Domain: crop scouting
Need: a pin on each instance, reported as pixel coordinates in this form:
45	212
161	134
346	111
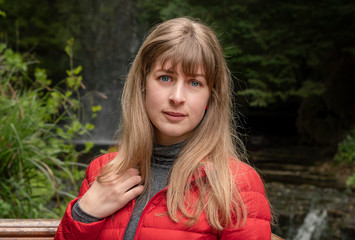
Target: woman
177	174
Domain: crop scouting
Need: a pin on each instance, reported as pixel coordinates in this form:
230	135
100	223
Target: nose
177	95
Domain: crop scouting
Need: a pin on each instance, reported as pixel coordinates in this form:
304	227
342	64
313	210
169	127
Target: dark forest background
292	56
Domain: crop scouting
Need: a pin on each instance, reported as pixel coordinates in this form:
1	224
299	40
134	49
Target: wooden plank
26	238
52	223
41	229
275	237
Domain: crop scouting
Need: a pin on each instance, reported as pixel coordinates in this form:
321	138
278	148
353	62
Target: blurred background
62	67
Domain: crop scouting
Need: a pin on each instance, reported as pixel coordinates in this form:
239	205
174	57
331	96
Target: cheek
149	106
152	102
200	108
201	113
152	98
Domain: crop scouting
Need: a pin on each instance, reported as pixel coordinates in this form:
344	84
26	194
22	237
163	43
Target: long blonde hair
204	162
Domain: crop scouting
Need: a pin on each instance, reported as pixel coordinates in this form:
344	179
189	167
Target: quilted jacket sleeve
74	230
257	225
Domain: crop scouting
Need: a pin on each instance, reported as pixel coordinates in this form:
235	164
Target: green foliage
2	14
346	148
346	153
38	122
281	49
35	25
351	181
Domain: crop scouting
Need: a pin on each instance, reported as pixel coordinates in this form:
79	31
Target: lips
174	116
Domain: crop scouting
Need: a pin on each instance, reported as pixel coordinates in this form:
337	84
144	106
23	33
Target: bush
346	153
38	123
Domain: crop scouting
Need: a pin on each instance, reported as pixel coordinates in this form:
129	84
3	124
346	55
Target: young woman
177	174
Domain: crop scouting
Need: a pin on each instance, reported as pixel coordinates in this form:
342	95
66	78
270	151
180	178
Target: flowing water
108	40
307	212
313	225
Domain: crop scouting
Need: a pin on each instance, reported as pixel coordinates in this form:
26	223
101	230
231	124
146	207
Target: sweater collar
166	155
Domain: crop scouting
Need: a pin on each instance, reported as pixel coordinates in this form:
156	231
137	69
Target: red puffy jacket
155	226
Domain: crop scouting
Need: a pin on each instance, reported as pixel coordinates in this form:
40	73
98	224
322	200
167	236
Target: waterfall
313	225
108	38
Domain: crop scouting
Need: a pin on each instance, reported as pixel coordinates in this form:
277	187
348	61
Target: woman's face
175	103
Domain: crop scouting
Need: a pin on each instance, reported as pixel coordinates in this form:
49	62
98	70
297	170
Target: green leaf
96	108
76	126
2	47
88	146
41	76
89	126
69	47
68	93
77	70
3	14
71	81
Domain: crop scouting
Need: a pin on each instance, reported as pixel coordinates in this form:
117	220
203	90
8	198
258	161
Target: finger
133	193
130	183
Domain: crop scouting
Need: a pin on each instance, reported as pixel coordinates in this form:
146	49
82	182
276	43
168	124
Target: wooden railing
38	229
28	229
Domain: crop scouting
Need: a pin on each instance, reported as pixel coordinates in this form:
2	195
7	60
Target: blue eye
195	83
165	78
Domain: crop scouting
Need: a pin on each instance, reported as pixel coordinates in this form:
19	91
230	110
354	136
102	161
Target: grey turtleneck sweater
163	158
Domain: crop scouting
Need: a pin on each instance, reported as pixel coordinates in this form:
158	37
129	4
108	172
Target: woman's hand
104	199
